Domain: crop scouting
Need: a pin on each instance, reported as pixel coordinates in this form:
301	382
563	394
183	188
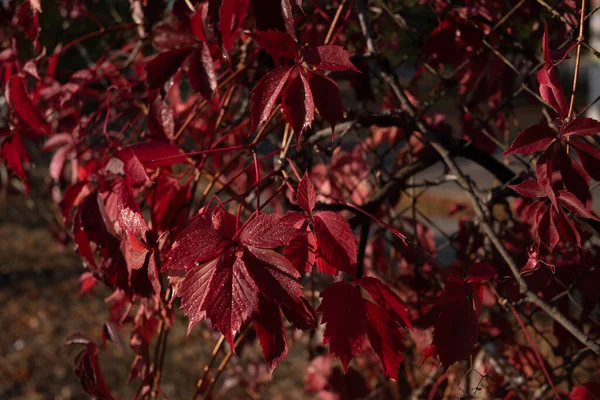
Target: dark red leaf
581	127
298	105
529	188
277	43
547	230
551	90
387	299
275	15
566	228
152	154
533	139
306	195
589	156
455	332
198	20
228	20
15	154
300	251
265	94
336	245
574	205
587	391
201	72
87	369
161	123
271	333
386	339
162	67
576	180
19	100
344	314
330	58
326	97
480	272
28	19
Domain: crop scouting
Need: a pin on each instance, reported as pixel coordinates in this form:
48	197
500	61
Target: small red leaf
386	339
162	67
271	333
201	72
529	188
300	251
480	272
547	229
551	90
573	204
533	139
306	195
336	245
24	107
161	123
277	43
265	94
330	58
326	97
387	299
298	105
344	314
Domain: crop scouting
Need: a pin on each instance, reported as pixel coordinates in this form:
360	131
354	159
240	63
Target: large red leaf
573	204
336	245
271	333
227	17
551	90
581	127
201	72
344	314
529	188
455	332
265	94
533	139
162	67
387	299
330	57
298	105
19	100
326	97
277	43
589	156
385	337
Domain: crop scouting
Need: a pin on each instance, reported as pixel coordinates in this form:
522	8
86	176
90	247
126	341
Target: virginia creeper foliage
254	166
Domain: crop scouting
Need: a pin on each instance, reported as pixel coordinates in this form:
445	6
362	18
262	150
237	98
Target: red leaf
385	338
28	19
14	152
268	231
221	290
529	188
198	20
201	72
336	246
387	299
228	20
581	127
576	180
162	67
589	156
551	90
152	154
300	251
19	100
330	57
161	123
186	252
87	368
305	195
271	333
298	105
344	314
533	139
547	229
277	43
480	272
265	94
566	228
587	391
455	332
275	15
326	97
573	204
